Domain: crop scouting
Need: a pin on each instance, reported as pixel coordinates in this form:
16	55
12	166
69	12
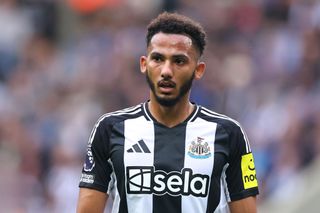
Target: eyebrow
156	54
173	56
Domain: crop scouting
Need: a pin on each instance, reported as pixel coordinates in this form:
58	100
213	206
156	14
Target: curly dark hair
174	23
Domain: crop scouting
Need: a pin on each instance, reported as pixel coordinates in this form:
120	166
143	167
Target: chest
193	146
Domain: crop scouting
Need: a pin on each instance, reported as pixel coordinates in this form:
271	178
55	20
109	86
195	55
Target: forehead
171	43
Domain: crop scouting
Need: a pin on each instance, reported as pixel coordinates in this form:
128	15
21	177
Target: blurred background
65	63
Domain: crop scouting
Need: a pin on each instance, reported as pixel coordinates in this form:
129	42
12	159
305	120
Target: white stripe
207	131
216	115
145	110
223	206
225	184
134	133
127	109
120	112
195	114
113	202
236	122
112	177
116	199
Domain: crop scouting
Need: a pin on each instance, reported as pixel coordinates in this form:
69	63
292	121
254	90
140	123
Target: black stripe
136	148
169	156
117	148
144	146
221	153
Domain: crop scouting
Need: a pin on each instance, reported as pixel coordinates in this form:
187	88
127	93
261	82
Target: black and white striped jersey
197	166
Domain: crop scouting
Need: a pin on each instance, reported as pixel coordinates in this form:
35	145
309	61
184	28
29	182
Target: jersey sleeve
241	174
96	171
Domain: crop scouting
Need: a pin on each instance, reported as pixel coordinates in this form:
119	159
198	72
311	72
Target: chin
167	102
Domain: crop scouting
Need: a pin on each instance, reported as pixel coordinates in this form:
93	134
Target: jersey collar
149	116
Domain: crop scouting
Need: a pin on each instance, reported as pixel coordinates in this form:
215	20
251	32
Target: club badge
199	149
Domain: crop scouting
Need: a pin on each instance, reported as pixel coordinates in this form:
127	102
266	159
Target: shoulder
232	127
223	121
111	118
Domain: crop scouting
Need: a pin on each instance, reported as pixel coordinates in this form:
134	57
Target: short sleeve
240	174
96	171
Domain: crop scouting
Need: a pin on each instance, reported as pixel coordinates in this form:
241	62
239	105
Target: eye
180	60
156	58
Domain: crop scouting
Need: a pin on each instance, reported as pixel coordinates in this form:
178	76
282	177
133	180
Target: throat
171	116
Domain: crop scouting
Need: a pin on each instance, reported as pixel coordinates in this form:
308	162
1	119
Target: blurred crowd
263	69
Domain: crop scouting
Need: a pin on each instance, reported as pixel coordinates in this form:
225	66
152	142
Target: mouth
166	86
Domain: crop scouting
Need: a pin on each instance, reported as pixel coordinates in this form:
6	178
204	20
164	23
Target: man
168	154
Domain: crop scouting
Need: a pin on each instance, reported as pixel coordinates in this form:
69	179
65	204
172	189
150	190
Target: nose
167	70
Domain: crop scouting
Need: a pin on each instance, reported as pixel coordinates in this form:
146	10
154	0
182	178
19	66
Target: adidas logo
139	147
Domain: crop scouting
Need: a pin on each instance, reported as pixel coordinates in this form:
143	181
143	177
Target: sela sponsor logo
147	180
199	149
85	178
249	177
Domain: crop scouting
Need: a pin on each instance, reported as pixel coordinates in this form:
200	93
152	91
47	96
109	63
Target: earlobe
200	70
143	64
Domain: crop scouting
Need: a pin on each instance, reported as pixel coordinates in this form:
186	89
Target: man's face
170	67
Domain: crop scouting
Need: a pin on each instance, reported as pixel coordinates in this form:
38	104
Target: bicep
246	205
241	174
91	201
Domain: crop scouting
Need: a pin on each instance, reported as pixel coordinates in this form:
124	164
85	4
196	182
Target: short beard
169	102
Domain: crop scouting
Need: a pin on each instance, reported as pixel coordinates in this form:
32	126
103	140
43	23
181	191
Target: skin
91	201
171	64
171	58
246	205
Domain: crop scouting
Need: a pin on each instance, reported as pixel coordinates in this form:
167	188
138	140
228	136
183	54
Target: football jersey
196	166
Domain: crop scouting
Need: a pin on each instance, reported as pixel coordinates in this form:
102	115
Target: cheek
152	72
150	75
185	77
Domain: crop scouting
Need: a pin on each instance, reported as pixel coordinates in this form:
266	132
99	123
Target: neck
173	115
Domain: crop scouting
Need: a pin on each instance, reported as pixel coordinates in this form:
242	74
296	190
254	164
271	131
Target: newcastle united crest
199	149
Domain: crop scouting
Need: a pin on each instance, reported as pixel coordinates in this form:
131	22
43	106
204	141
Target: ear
200	69
143	64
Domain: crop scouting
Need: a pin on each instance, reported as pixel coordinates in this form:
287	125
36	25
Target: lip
166	90
166	87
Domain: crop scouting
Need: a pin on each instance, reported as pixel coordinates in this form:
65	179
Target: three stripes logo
139	147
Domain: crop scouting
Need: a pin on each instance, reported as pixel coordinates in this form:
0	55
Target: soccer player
169	155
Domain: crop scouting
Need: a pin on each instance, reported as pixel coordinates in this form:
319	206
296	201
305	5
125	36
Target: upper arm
91	201
96	179
97	170
240	174
246	205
